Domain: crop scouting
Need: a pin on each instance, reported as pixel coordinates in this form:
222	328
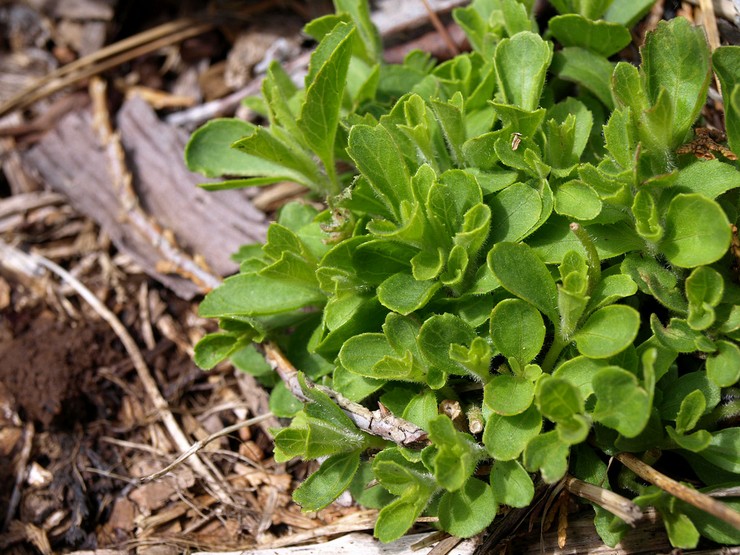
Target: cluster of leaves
510	230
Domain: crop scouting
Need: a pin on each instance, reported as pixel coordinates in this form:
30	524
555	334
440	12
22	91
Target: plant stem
594	263
558	344
684	493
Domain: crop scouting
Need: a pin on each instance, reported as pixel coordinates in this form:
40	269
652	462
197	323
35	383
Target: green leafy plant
518	232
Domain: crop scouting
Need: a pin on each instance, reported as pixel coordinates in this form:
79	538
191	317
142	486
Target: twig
142	370
612	502
20	475
441	29
200	444
378	422
684	493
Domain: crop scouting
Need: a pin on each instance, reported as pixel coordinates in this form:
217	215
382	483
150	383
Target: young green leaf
325	81
517	330
723	366
601	37
508	395
548	454
468	510
505	437
664	64
608	331
725	59
697	231
587	69
521	64
522	273
511	484
621	403
328	482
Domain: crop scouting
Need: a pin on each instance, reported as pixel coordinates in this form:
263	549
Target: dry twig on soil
378	422
684	493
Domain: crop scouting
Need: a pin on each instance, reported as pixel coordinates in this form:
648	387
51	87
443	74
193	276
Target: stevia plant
524	233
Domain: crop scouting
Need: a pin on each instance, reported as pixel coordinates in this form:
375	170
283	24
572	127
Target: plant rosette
522	233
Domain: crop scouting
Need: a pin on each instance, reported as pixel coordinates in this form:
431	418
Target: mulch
97	99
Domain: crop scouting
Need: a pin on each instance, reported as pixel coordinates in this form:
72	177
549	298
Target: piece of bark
72	161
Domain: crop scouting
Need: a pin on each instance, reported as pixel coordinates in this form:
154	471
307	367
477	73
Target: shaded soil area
49	368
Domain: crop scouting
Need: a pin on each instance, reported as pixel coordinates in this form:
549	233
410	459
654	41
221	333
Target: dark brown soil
49	366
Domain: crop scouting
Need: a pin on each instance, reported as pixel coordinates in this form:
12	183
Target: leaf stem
594	263
553	353
684	493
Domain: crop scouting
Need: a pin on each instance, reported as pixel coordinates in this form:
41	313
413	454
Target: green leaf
577	200
664	63
619	136
360	353
514	213
379	159
457	453
395	519
469	510
591	9
209	151
610	289
508	395
214	348
628	12
710	178
711	527
437	334
692	408
723	367
415	487
608	331
522	273
580	371
283	403
285	158
328	482
587	69
621	404
366	491
704	289
402	293
505	437
325	81
358	10
558	399
517	330
697	231
256	295
521	64
548	454
647	219
681	531
723	449
601	37
727	68
511	484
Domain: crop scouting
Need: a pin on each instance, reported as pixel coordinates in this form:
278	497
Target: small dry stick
378	422
20	475
612	502
200	444
441	29
684	493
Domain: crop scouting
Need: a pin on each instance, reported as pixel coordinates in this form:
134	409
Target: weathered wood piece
72	161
